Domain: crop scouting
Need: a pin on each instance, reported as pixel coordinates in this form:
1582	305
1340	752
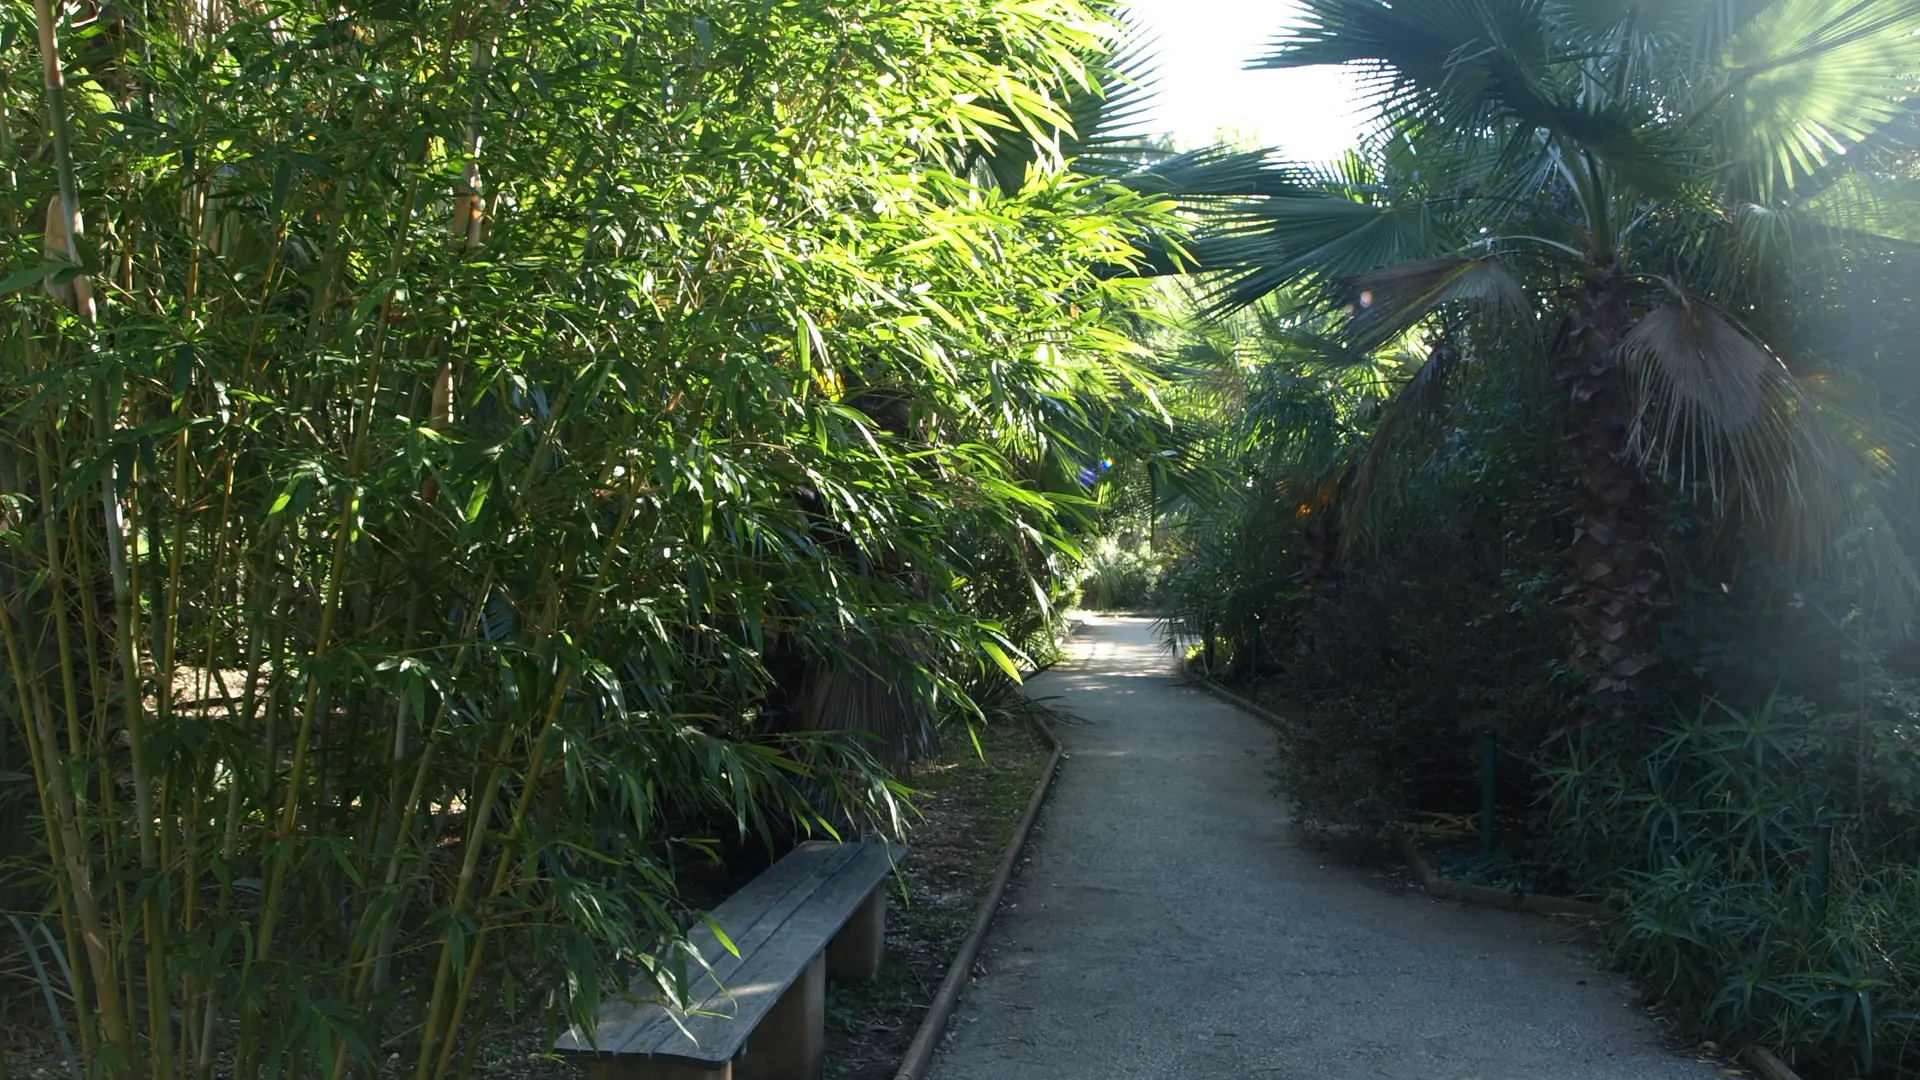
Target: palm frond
1703	387
1867	208
1091	124
1722	418
1672	22
1392	299
1810	79
1315	239
1221	172
1629	137
872	694
1106	138
1421	399
1465	60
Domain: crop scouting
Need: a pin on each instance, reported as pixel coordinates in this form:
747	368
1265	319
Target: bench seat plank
779	922
751	918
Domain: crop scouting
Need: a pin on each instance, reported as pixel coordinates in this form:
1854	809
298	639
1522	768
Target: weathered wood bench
760	1015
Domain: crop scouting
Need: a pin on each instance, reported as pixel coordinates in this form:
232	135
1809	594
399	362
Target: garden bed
971	805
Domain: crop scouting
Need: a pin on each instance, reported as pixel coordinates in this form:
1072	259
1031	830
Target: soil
972	803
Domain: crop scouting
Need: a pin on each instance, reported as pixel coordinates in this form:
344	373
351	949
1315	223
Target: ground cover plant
462	461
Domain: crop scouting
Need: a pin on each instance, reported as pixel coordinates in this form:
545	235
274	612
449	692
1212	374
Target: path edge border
1488	896
1234	699
925	1040
1766	1062
1761	1060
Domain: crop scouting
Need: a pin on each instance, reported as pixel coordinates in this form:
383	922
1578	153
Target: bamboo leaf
21	279
1001	659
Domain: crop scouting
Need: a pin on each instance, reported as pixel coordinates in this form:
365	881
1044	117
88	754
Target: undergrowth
1116	577
1754	897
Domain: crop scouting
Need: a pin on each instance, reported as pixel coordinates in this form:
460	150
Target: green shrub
1411	661
1117	577
1709	844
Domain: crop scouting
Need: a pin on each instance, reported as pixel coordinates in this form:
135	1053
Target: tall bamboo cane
71	227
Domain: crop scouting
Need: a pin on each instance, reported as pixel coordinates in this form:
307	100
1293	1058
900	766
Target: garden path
1169	924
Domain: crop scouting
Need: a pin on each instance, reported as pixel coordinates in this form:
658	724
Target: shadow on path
1169	925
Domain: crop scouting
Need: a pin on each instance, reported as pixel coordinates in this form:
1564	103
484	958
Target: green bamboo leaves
490	429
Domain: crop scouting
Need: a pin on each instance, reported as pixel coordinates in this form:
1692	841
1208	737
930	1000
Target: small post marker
1822	866
1486	793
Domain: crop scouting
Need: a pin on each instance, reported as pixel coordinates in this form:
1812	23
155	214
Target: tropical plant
469	456
1279	412
1649	182
1747	901
1116	577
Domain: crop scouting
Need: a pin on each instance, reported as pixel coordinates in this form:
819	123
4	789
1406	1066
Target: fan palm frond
1711	399
1392	299
1810	79
1466	61
1213	172
1420	399
1723	418
1106	138
865	692
1317	239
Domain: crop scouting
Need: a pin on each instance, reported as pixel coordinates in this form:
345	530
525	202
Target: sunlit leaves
573	534
1812	78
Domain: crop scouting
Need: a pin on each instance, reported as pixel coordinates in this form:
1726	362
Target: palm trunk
1319	573
1618	589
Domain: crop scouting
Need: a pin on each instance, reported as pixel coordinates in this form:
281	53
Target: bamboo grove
451	449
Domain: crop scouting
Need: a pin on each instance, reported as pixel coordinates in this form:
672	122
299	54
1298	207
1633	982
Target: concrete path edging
1488	896
1766	1063
1236	700
934	1024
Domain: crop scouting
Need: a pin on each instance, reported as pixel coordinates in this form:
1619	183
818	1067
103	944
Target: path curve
1169	925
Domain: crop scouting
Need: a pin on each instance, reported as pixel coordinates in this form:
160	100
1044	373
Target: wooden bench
760	1015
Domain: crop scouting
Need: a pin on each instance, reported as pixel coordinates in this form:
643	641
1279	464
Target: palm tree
1646	176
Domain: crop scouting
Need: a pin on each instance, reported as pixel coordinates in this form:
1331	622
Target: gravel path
1170	925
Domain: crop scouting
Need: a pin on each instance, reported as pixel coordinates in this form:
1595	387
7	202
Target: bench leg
639	1068
854	954
791	1041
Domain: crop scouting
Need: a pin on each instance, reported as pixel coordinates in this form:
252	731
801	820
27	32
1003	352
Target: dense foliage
1758	897
1578	408
459	457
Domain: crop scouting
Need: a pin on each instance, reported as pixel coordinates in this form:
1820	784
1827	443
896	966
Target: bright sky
1201	48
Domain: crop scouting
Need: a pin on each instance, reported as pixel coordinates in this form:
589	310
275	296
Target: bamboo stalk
53	770
72	225
153	905
323	639
72	228
416	793
531	781
63	892
57	583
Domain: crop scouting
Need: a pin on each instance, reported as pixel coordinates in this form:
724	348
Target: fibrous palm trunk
1319	574
1617	590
